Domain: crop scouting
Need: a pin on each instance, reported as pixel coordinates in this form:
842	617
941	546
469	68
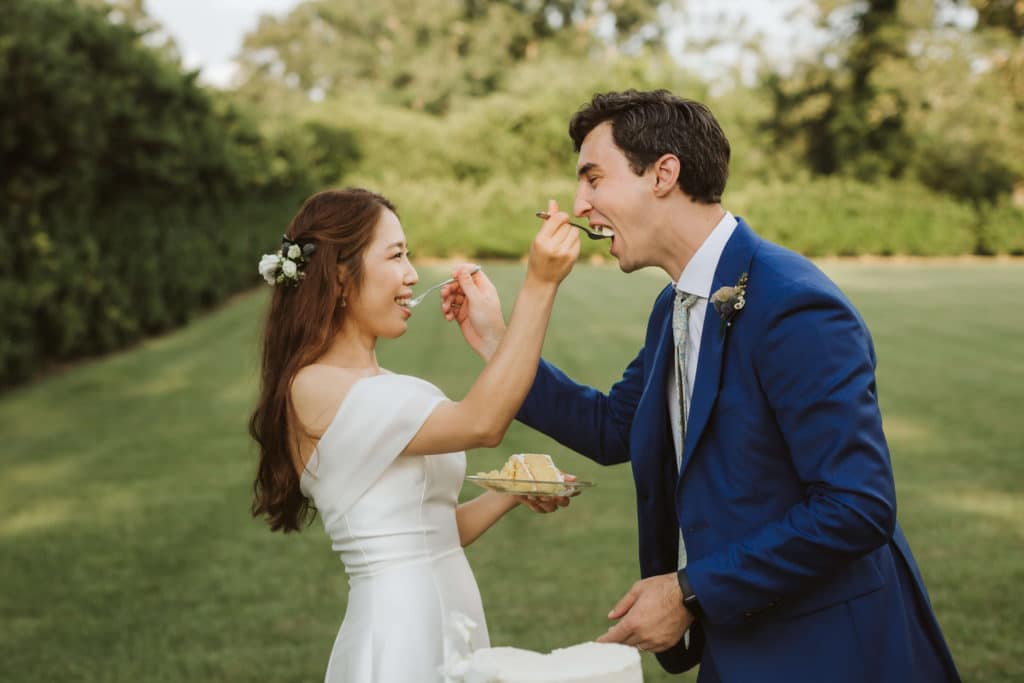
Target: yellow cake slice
526	468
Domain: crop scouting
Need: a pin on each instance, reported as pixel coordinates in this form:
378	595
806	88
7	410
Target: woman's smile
403	304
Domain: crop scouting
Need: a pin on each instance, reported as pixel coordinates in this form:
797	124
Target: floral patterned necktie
680	333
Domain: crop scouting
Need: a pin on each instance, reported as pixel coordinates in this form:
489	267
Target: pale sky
209	32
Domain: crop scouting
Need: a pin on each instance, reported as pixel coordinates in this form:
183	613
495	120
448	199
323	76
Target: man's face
609	194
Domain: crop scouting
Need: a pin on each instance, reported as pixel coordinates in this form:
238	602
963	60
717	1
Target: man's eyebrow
585	169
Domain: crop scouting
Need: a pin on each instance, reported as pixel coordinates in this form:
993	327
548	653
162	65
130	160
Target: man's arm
589	422
816	366
581	417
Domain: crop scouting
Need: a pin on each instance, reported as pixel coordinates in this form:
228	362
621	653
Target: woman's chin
394	332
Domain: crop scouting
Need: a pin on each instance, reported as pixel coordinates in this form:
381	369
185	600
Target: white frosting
521	459
587	662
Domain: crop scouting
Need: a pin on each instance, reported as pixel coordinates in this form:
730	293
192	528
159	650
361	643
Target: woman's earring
343	301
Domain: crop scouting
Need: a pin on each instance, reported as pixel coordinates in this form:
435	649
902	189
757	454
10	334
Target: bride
379	456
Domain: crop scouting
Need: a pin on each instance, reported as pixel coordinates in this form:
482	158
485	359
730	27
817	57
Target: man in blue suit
769	547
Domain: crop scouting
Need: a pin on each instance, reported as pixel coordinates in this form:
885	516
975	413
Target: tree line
132	197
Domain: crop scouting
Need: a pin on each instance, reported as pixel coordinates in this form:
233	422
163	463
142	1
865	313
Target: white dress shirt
696	278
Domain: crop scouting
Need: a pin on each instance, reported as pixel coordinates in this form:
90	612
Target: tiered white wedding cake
584	663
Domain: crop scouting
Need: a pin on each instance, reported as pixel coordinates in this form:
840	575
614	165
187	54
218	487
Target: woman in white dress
380	456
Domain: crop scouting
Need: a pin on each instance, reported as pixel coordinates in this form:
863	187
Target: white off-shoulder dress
392	520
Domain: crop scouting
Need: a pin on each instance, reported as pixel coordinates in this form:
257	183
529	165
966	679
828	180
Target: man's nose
581	205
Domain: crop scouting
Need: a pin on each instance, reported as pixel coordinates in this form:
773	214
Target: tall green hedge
130	197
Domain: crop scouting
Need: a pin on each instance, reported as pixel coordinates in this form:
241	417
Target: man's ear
666	174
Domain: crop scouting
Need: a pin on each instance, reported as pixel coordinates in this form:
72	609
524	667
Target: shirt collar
699	273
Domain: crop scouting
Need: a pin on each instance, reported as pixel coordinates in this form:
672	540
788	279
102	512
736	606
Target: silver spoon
592	233
413	303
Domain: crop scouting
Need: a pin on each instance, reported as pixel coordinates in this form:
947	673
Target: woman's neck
352	349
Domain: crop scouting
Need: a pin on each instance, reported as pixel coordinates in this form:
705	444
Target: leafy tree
421	54
972	139
1001	22
907	93
133	14
839	113
1006	14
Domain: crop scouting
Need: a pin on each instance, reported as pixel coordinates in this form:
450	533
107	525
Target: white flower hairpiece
287	266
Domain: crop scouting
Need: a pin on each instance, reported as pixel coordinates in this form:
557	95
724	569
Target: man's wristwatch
690	601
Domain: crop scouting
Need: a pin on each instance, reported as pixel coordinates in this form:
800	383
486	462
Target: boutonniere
729	301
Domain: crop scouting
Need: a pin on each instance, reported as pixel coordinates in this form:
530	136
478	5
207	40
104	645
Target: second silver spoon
413	303
592	233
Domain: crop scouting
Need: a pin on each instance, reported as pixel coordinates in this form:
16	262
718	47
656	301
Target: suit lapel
658	376
735	260
653	408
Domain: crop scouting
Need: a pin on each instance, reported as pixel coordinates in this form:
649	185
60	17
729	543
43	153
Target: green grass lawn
127	552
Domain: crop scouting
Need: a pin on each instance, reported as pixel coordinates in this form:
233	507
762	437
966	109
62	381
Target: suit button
748	615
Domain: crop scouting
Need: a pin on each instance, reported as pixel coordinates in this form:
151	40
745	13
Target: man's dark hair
647	125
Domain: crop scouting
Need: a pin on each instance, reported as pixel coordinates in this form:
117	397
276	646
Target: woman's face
377	306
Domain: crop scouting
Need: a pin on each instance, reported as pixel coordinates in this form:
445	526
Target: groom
765	495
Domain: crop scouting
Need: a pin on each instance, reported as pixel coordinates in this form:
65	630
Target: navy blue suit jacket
786	496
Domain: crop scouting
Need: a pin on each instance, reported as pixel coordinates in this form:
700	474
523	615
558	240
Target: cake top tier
591	662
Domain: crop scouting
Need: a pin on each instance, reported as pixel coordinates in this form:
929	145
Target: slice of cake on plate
526	468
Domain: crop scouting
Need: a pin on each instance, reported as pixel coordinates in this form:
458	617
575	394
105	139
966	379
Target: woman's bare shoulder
318	391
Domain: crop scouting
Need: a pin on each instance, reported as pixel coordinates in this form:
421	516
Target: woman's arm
483	416
478	515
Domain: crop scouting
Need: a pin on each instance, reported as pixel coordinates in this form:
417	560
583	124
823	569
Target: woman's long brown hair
300	325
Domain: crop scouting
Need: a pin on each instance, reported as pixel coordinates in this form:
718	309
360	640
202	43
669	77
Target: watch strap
690	600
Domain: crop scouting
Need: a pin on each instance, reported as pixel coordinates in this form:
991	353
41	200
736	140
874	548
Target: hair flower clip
729	301
288	265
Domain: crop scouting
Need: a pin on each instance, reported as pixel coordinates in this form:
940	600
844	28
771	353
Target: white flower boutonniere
729	301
